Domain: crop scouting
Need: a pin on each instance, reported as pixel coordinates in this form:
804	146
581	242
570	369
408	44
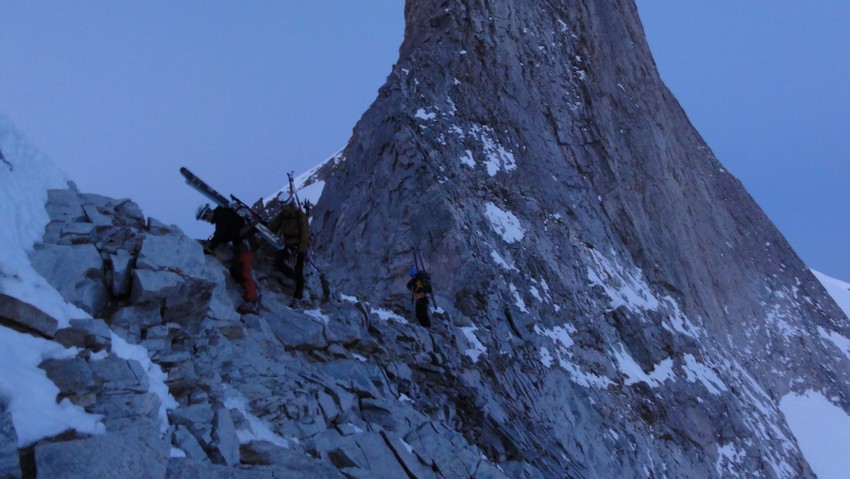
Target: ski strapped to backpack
292	193
251	217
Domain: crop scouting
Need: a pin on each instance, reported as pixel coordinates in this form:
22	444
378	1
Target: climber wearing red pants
231	228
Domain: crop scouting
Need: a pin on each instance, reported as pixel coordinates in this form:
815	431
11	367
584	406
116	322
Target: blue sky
121	94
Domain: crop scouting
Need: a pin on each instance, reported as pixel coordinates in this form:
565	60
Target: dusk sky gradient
121	94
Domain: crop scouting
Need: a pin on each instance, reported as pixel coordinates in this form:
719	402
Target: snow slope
25	177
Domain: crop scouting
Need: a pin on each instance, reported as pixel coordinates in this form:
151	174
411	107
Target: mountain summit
636	305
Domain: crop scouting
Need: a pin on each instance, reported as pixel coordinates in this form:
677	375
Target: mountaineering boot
248	307
296	304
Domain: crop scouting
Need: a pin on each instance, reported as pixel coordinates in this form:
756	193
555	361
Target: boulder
188	443
299	331
185	300
365	380
130	214
172	252
115	375
347	326
95	215
142	316
437	446
381	461
10	463
74	379
225	443
411	464
87	333
77	233
132	452
26	316
65	205
197	418
152	286
122	409
76	271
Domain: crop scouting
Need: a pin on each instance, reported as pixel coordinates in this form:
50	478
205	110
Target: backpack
425	278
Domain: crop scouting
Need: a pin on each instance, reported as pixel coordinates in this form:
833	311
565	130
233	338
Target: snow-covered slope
26	175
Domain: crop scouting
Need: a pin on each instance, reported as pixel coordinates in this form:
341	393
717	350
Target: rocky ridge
338	390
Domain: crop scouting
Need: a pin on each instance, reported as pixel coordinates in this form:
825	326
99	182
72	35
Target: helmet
413	271
202	211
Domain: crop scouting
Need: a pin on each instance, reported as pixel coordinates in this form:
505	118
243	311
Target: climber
420	285
292	225
231	228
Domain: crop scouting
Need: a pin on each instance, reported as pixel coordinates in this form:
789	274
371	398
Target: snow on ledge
31	396
504	222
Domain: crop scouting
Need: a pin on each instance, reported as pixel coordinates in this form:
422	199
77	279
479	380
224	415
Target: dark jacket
229	227
292	224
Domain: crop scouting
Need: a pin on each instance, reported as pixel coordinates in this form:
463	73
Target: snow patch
424	115
477	348
387	315
258	430
497	258
698	372
31	396
520	304
467	159
307	185
546	357
727	456
349	299
634	373
156	376
504	222
625	287
840	342
497	158
560	336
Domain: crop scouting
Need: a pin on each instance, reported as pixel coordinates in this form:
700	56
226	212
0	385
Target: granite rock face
532	153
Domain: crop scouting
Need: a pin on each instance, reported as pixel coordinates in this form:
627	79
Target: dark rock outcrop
10	462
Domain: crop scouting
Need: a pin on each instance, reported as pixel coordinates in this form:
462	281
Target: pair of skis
251	217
